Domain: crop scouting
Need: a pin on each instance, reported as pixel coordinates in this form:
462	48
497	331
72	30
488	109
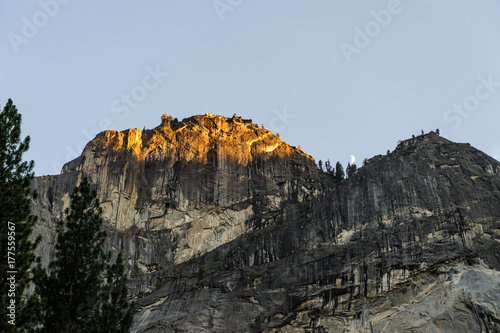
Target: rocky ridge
228	229
181	189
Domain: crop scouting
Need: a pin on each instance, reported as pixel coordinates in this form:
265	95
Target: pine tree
16	226
320	165
74	295
350	170
328	166
116	313
165	119
339	171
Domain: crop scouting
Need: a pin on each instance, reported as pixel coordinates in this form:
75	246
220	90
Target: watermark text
31	27
280	120
121	106
363	37
460	111
223	6
11	273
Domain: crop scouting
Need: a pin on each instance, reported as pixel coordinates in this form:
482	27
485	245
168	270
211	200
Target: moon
353	159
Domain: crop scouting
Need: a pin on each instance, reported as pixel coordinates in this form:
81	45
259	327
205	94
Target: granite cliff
228	229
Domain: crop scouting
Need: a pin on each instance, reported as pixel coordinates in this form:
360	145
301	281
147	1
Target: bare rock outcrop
228	229
181	189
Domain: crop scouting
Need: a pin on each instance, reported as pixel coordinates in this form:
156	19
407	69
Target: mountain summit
179	175
226	228
203	139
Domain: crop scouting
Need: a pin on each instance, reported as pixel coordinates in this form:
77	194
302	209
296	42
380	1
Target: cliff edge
228	229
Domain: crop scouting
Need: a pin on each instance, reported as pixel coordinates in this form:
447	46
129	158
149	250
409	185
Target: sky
339	78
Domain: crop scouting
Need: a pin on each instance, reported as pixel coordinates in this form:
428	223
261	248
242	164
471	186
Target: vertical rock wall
228	229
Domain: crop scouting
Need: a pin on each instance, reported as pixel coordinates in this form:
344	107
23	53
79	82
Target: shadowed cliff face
200	183
227	229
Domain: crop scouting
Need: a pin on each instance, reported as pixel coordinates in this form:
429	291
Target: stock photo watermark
11	272
460	111
139	93
372	29
30	27
121	106
223	6
280	120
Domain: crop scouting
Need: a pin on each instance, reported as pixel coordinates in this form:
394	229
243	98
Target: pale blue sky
301	68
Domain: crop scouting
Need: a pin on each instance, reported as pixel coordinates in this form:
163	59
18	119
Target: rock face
180	190
228	229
